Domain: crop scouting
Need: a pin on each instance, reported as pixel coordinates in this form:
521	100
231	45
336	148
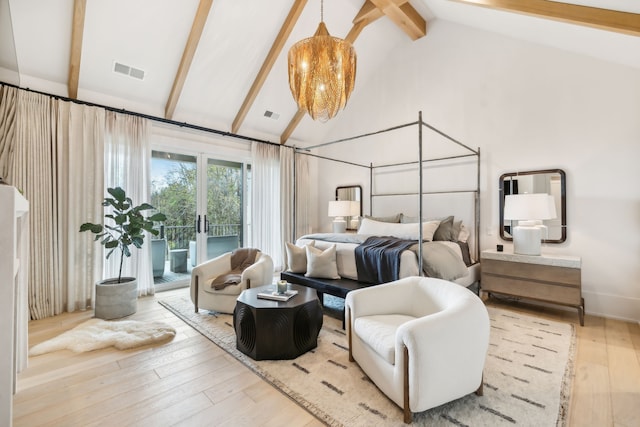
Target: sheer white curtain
303	197
127	165
265	201
80	177
287	197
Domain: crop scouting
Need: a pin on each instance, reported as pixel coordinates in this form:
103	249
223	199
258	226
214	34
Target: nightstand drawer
539	273
531	289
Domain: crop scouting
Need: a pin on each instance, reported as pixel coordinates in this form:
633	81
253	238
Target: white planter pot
115	300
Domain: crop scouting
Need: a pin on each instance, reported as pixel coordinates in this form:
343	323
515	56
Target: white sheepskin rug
96	333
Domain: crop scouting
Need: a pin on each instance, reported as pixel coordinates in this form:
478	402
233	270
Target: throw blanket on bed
378	259
240	260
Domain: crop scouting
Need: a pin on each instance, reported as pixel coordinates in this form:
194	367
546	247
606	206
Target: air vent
271	115
127	70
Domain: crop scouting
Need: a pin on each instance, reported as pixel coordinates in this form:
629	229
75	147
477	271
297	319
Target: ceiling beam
604	19
273	54
77	31
292	126
357	29
189	52
403	15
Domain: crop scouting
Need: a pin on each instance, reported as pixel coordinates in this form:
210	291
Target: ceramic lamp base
526	240
339	226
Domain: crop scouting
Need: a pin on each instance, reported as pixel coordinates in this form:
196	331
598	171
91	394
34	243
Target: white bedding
345	255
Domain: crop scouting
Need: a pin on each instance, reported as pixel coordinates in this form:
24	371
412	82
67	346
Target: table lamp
338	209
529	210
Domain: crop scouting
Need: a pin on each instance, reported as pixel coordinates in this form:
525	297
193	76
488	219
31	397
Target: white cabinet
14	308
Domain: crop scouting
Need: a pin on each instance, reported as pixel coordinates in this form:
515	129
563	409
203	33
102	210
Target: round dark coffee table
267	329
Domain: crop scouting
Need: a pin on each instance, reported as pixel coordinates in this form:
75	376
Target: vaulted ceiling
223	63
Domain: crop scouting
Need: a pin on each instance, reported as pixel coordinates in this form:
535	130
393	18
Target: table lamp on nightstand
529	210
340	209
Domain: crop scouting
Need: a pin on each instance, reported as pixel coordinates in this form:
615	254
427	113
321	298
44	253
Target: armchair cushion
379	333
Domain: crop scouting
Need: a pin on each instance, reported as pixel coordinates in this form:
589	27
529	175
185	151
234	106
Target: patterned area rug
527	377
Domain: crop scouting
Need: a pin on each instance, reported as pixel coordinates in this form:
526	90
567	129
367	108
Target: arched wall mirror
550	181
353	193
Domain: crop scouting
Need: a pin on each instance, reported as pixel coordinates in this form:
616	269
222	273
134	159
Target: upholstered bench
336	287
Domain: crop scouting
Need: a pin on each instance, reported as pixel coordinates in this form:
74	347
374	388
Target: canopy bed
431	198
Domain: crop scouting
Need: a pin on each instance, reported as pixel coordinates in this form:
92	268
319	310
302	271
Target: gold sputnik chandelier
322	72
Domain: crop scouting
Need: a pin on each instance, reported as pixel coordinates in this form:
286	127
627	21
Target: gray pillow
442	262
322	264
445	230
405	219
392	218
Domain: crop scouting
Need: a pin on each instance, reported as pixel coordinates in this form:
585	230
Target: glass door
205	203
221	227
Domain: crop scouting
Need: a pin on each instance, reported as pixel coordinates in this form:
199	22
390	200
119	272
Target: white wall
527	107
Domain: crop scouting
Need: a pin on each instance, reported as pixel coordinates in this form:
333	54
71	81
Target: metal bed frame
420	162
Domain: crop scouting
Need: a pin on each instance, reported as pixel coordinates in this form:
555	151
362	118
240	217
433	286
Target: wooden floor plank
191	381
168	393
624	374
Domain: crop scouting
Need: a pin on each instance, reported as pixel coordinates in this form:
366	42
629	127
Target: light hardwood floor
191	382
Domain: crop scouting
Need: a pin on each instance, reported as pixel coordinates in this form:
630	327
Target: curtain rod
146	116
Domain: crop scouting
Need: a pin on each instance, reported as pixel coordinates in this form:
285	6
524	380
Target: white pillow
429	228
297	257
464	234
322	264
410	231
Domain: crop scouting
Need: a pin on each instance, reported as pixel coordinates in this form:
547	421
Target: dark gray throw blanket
378	259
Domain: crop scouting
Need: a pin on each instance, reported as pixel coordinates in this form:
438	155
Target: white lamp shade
342	208
537	206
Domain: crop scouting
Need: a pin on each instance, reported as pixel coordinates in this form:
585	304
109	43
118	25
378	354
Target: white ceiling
151	35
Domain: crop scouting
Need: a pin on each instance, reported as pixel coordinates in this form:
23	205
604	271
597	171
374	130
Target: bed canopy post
370	189
295	198
420	191
477	206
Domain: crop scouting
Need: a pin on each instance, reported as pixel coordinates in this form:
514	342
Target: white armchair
205	296
422	341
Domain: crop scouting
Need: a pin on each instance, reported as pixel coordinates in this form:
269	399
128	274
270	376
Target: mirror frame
563	202
359	187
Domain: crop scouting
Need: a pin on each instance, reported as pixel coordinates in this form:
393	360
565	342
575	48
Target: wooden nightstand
549	278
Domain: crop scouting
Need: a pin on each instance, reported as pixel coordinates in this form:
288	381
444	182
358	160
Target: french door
206	203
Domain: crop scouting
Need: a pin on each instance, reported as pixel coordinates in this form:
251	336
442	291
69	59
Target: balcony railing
178	236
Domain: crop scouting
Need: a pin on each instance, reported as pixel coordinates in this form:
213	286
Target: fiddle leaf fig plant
129	225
